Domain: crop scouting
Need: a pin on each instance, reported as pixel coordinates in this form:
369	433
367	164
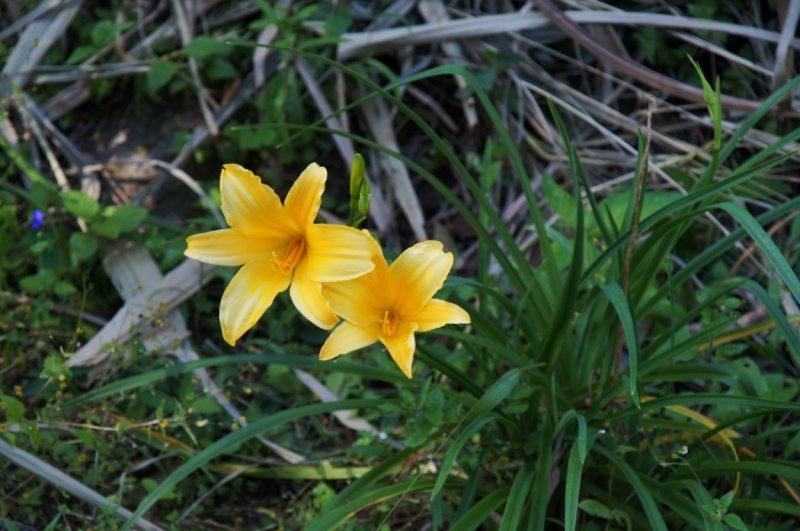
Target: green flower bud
364	196
359	192
356	175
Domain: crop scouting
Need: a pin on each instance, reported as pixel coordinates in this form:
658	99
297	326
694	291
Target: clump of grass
610	377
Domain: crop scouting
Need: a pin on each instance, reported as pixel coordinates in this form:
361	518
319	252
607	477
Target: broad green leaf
127	217
104	32
32	284
735	522
160	74
82	247
41	281
595	508
108	227
338	22
150	485
726	500
306	12
31	429
14	409
219	68
54	366
62	287
40	246
80	54
205	405
80	204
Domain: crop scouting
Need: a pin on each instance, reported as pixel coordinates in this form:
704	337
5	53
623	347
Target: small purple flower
38	219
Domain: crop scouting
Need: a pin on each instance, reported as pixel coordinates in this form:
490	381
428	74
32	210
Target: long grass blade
233	440
572	489
452	454
481	511
516	498
769	248
644	495
301	362
541	486
620	303
380	470
333	519
715	251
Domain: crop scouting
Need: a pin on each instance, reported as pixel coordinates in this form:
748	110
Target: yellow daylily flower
391	303
278	246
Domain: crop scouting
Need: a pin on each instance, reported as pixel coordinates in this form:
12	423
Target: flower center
286	262
389	323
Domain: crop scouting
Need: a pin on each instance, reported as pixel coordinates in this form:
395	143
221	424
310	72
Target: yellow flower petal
252	207
346	338
401	346
416	276
248	296
438	313
307	297
360	300
338	253
305	197
231	247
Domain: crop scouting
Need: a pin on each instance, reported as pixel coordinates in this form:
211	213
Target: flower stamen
286	263
389	323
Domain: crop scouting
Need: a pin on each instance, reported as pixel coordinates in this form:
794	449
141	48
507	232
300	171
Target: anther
286	263
389	323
